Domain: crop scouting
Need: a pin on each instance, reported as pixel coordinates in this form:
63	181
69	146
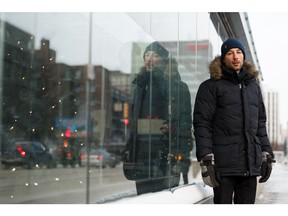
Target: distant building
273	126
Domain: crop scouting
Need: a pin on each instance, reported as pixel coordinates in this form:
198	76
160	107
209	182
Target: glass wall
69	104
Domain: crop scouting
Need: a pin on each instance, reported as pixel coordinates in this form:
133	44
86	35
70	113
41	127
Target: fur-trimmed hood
215	68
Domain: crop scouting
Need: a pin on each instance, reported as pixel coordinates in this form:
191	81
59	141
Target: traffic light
125	110
126	121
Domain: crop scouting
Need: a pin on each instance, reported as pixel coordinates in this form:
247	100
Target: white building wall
271	100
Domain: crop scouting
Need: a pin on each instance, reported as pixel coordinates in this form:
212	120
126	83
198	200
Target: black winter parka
230	120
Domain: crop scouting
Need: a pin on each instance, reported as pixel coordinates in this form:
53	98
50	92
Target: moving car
98	157
27	154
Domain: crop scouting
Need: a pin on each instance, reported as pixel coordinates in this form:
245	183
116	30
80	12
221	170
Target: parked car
99	157
27	154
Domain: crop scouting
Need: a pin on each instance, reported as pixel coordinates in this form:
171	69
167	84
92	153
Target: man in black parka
161	101
229	122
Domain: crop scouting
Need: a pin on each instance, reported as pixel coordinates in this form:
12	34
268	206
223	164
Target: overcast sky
270	35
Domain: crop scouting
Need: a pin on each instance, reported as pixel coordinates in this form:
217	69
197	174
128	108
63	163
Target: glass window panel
67	83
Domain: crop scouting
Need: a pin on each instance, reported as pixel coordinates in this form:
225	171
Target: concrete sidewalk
195	193
275	190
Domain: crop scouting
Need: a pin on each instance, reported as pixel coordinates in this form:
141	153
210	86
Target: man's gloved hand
209	172
266	167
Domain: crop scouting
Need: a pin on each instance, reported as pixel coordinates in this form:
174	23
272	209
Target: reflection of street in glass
51	186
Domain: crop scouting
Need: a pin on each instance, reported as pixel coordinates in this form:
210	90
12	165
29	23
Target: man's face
152	59
234	59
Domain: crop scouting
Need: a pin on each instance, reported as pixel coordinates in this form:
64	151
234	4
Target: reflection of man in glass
161	123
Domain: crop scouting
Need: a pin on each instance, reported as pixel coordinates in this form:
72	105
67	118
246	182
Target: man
161	123
229	122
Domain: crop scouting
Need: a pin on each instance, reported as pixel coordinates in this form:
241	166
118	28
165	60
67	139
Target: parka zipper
246	127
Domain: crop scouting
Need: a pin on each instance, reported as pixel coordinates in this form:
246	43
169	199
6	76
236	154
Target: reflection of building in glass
193	58
18	96
107	89
121	94
50	97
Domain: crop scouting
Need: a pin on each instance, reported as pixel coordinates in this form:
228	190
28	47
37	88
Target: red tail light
82	156
100	157
21	151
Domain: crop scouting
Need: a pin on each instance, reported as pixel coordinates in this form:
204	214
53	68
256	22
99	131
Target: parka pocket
257	151
226	151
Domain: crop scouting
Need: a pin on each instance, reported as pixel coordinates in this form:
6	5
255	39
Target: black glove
266	167
209	172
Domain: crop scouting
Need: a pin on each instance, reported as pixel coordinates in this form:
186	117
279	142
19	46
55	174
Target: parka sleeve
184	127
133	120
204	110
262	128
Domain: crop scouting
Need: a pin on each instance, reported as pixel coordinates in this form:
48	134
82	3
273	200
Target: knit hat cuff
229	44
158	48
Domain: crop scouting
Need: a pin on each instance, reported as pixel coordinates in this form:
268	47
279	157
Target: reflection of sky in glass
67	33
112	36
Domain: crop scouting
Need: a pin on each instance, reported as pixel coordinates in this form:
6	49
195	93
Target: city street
61	185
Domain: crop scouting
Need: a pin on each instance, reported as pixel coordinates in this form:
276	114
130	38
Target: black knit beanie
229	44
159	49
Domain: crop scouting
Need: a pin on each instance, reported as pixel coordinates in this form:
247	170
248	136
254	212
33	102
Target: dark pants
186	162
153	155
237	189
